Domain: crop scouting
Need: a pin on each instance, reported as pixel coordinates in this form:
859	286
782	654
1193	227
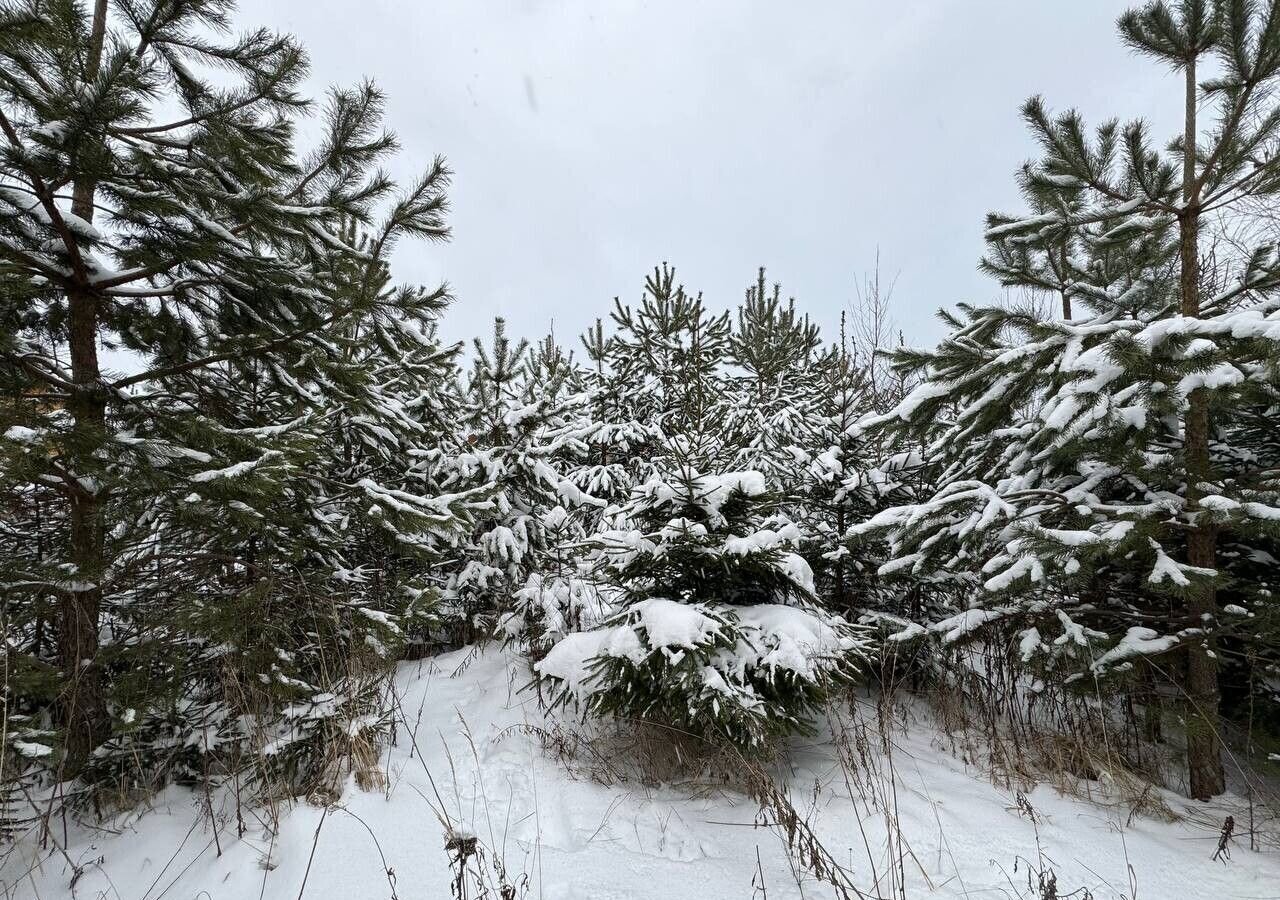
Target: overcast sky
593	140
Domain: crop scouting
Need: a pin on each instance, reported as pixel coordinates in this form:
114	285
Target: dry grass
645	753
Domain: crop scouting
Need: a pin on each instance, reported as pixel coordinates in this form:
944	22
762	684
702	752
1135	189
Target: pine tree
622	439
842	476
527	430
1105	443
763	411
770	340
206	246
670	349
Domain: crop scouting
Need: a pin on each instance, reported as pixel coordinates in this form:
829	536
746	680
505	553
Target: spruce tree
717	633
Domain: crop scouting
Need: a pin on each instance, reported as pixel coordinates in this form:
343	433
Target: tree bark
83	699
84	710
1066	298
1204	748
842	602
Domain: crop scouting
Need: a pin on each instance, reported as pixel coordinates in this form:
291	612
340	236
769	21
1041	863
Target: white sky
593	140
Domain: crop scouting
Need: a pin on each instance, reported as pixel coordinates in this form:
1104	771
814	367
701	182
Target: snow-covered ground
575	838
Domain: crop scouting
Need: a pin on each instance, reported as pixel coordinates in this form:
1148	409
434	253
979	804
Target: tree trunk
1204	749
1066	298
83	699
842	602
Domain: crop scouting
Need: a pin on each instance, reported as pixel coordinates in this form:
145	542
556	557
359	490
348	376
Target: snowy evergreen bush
526	431
717	634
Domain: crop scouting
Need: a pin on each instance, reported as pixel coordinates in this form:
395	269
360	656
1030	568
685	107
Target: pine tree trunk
842	602
1204	750
1066	298
83	701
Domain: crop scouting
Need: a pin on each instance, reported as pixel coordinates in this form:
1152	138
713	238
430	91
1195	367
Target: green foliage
1104	473
719	688
236	528
717	633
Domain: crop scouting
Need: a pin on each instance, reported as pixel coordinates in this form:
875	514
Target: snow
1218	503
1028	643
922	393
32	750
799	571
1023	566
764	539
1262	511
20	434
1220	376
1168	569
571	657
1027	224
468	762
792	638
750	483
909	633
962	624
235	470
1138	641
670	624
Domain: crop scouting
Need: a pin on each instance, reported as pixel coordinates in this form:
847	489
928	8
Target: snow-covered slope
574	838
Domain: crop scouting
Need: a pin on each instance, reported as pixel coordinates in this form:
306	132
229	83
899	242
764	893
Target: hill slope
561	837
